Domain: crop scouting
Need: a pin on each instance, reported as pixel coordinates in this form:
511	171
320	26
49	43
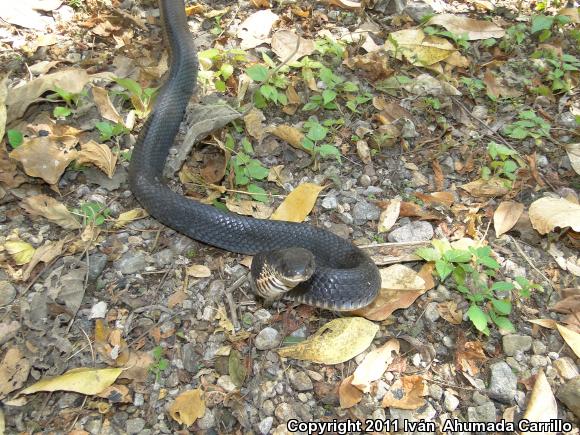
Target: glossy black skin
345	278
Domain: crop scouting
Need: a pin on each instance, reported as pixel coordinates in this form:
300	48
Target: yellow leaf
51	209
298	204
337	341
290	134
389	216
572	338
106	108
198	271
418	48
82	380
542	405
188	407
129	216
21	251
374	365
99	155
506	216
348	394
46	253
548	213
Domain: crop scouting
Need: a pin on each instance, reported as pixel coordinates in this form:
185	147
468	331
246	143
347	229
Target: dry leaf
9	175
298	204
406	393
389	216
445	198
260	3
572	338
3	94
506	216
14	371
176	298
42	157
290	134
284	44
473	29
51	209
348	395
129	216
486	188
20	251
82	380
374	364
363	151
19	98
253	121
255	29
337	341
99	155
495	89
46	253
188	407
542	405
469	357
548	213
106	108
346	4
198	271
449	311
418	48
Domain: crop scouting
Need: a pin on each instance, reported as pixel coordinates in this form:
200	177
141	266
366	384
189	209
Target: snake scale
342	278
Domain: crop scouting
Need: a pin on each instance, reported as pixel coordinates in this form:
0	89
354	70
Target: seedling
542	25
503	164
529	125
272	82
93	213
141	99
70	99
218	65
459	40
246	169
334	85
315	133
109	130
474	86
514	37
159	364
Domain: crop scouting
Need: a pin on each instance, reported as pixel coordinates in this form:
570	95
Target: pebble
226	383
207	421
503	382
138	399
538	347
440	293
131	263
285	411
97	263
566	368
413	232
569	394
479	398
435	391
364	211
265	425
7	293
539	361
431	312
450	401
163	257
93	426
267	338
514	343
135	425
329	202
268	407
482	413
364	180
300	381
567	120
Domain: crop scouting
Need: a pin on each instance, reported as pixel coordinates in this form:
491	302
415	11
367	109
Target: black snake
339	276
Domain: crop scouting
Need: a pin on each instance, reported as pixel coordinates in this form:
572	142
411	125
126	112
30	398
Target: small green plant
141	99
432	102
514	37
246	169
542	25
560	67
109	130
334	85
316	133
459	40
331	48
503	164
353	103
15	138
272	83
218	65
473	273
159	364
70	99
528	125
93	213
475	87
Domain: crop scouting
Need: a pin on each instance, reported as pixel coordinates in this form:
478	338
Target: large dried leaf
572	338
253	121
46	253
573	151
42	157
548	213
99	155
188	407
542	405
25	13
20	251
284	44
469	356
406	393
348	394
129	216
84	380
255	29
506	216
337	341
14	370
290	134
418	48
486	188
19	98
298	204
9	175
51	209
473	29
389	216
105	106
374	365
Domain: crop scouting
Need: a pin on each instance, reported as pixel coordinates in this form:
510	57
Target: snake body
344	277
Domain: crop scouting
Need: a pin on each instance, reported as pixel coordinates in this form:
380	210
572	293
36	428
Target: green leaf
489	262
259	193
247	146
61	112
478	318
236	368
541	22
212	54
327	149
457	256
518	133
311	105
501	306
220	86
256	171
269	92
258	73
428	254
349	87
15	138
241	179
328	95
131	85
443	268
502	286
317	132
226	71
308	144
504	324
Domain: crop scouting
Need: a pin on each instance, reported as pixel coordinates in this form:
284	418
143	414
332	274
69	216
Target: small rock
565	367
93	426
431	312
417	231
479	112
538	347
364	180
450	401
482	413
503	382
479	398
207	421
569	394
97	263
7	293
539	361
226	383
135	425
513	344
435	391
8	331
300	381
138	399
417	10
265	425
267	338
163	257
329	202
131	263
364	211
567	120
440	293
285	411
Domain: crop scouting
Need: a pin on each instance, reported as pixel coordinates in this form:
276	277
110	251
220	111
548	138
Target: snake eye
294	264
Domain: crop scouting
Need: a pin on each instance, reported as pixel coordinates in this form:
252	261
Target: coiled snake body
342	276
